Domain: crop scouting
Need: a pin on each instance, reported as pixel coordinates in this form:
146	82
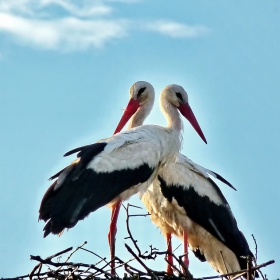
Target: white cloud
124	1
177	30
68	25
83	9
63	34
18	6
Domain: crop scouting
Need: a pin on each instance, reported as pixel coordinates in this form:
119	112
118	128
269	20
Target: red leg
186	258
169	269
112	233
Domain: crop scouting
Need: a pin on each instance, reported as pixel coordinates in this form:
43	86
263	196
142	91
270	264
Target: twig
177	248
130	234
132	205
263	277
71	274
249	268
39	266
122	263
101	259
68	258
108	264
34	270
256	248
39	271
80	271
38	258
60	253
241	271
172	265
79	247
135	256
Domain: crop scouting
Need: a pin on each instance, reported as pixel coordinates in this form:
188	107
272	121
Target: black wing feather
216	219
83	190
199	255
222	179
76	150
57	174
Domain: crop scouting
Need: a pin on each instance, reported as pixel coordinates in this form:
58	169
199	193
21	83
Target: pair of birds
179	194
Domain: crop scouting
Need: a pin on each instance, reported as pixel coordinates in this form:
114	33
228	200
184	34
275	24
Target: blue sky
65	72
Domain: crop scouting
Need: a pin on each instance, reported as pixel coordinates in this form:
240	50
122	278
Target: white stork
185	201
117	167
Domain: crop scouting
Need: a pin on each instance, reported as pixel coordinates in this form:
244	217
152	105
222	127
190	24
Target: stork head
142	96
178	97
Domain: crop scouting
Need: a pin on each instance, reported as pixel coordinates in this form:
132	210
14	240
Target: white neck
141	114
171	114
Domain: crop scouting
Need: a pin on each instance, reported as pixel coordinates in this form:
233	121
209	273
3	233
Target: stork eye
179	95
141	90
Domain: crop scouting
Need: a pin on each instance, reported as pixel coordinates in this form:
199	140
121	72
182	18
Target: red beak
187	112
129	111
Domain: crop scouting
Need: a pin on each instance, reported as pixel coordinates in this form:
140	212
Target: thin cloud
83	9
125	1
68	25
65	34
177	30
17	6
80	8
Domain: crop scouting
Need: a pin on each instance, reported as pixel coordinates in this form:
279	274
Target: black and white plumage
116	167
186	202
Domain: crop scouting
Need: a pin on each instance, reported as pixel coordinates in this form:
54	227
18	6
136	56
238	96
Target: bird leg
169	269
112	233
186	258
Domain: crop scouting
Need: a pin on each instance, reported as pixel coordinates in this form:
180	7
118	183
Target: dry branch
49	269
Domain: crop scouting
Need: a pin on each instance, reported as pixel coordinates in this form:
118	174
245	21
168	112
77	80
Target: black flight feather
216	219
222	179
83	190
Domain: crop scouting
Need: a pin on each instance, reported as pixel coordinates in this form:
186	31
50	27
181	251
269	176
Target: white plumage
173	218
198	217
115	168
